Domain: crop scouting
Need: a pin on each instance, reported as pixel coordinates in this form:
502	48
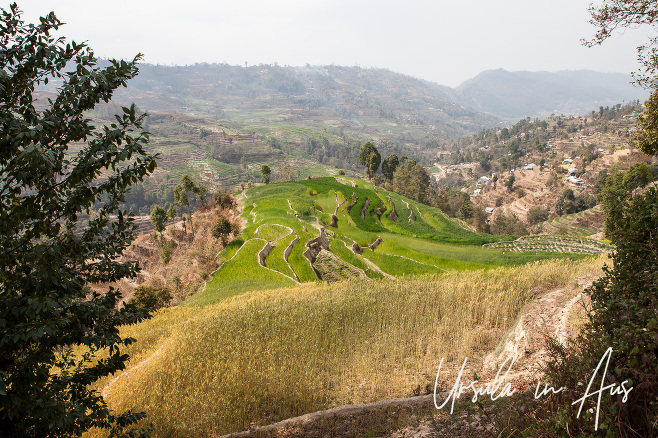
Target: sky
446	42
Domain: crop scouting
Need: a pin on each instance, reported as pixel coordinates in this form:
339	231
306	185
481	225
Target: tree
621	185
48	258
224	200
152	297
624	301
285	172
537	215
369	156
508	224
158	218
265	172
222	229
182	198
509	183
621	14
389	165
201	192
413	182
646	137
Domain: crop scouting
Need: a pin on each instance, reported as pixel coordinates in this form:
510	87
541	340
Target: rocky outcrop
314	246
288	250
264	253
394	215
375	244
286	254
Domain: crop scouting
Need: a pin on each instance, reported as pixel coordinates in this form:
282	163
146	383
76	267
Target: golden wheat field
265	356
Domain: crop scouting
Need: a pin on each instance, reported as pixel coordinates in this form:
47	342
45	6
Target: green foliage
647	126
202	192
537	215
451	202
413	182
265	172
625	300
167	248
619	186
222	228
182	195
225	200
48	258
151	297
369	156
158	218
508	225
623	317
509	182
569	203
389	166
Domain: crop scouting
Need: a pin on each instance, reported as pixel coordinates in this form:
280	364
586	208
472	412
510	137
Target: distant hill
368	103
350	102
514	95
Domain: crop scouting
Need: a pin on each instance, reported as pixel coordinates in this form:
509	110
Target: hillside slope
264	356
515	95
341	228
373	103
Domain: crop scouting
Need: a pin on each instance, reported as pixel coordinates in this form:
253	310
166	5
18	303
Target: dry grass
193	258
265	356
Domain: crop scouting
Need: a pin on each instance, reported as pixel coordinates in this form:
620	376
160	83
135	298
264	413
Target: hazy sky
445	41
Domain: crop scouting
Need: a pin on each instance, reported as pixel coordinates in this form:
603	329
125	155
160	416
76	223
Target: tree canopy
48	256
612	15
389	165
182	195
158	218
624	301
646	137
265	173
369	156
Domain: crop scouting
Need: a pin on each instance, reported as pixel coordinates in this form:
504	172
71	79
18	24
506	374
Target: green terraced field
296	211
559	244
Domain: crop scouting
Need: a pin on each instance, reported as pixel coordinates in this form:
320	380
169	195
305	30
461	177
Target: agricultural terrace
369	233
264	356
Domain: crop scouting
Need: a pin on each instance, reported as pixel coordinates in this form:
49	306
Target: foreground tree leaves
56	336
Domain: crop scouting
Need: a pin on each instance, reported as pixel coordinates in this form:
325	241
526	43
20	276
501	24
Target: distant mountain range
359	103
373	104
514	95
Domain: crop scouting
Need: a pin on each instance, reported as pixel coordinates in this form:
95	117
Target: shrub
166	252
151	297
508	224
536	215
225	200
623	317
222	229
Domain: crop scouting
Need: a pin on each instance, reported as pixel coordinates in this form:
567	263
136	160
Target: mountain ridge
513	95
